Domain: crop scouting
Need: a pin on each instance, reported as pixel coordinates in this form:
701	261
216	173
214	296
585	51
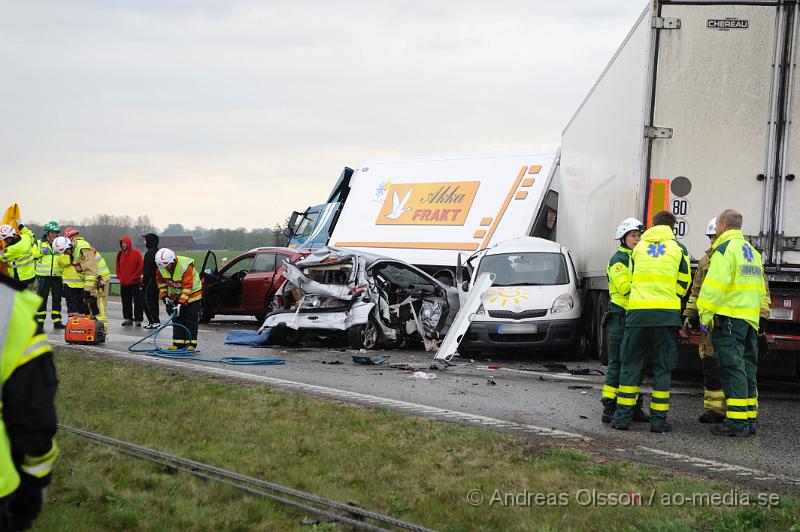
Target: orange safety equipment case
86	330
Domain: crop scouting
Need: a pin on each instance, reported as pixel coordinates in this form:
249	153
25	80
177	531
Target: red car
245	285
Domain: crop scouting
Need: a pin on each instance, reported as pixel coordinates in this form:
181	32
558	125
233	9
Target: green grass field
414	469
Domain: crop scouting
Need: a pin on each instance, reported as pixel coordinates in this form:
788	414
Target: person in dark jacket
129	273
28	422
149	287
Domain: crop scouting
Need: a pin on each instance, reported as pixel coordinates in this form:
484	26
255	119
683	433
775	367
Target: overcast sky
234	113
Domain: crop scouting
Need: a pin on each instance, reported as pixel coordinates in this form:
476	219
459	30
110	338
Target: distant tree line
105	230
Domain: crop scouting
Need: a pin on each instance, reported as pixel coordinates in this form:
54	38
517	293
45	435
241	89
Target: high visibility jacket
19	345
47	264
183	285
19	256
619	279
89	264
69	275
661	273
697	282
734	285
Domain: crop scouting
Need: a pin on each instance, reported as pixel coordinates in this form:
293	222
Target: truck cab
312	228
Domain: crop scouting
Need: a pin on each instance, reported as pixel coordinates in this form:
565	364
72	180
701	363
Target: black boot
609	405
709	416
725	430
661	428
639	415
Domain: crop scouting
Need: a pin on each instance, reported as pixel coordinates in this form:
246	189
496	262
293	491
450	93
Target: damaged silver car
375	301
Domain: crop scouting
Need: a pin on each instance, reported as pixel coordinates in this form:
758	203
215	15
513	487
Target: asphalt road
516	394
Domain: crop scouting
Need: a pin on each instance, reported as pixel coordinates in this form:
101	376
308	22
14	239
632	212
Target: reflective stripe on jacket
82	258
661	273
183	286
20	256
734	285
619	277
47	264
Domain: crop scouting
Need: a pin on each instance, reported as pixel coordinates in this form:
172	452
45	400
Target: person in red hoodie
129	273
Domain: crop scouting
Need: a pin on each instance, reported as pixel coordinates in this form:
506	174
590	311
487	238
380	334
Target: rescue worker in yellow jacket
730	304
48	276
713	395
629	232
73	281
18	253
661	278
28	416
93	270
180	288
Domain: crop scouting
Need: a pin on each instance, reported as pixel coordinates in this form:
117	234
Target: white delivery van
534	300
695	113
426	211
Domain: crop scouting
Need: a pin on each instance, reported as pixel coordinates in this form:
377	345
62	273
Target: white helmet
711	229
626	226
165	257
61	244
6	231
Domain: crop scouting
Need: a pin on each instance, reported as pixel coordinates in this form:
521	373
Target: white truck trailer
426	211
694	114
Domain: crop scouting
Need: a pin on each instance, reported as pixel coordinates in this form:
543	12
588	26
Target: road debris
364	360
423	375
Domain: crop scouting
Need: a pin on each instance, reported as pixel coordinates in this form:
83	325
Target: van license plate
517	328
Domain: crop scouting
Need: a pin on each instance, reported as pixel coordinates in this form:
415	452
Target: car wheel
365	336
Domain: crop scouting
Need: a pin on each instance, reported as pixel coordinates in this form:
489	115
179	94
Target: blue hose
157	351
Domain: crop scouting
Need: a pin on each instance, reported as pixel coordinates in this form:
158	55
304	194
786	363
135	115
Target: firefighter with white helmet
18	253
73	281
180	288
619	273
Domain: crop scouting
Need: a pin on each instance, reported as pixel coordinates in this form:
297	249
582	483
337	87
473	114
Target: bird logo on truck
427	203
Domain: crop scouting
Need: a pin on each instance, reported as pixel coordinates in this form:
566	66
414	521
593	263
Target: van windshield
520	269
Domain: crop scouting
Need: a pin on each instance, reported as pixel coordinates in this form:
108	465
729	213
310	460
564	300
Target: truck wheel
365	336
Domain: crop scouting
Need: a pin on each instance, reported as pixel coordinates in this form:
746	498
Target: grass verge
414	469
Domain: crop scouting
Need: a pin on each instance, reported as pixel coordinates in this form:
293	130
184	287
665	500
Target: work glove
704	329
687	325
177	309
